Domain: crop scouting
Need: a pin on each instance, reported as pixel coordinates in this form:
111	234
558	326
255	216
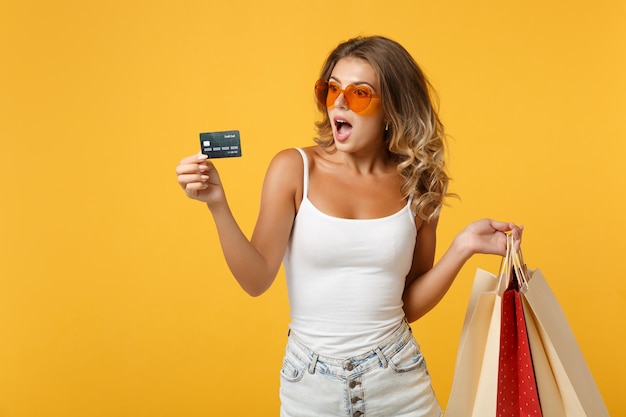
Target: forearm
483	236
423	294
245	262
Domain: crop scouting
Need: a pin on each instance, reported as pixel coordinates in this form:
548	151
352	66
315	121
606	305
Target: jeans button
349	367
357	414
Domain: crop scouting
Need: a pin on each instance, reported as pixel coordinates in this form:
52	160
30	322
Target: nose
340	101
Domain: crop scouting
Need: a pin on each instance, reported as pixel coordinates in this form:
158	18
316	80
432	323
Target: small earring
387	126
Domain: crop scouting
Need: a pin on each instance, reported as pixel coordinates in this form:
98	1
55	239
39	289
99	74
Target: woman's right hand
200	180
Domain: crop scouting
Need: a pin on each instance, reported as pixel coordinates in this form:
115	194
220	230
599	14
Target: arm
254	263
427	284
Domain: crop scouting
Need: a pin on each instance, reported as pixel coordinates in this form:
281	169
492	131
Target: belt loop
382	358
313	363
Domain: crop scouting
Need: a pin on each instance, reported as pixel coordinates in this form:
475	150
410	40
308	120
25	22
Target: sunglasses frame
355	103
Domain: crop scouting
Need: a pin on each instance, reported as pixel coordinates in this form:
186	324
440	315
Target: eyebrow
355	83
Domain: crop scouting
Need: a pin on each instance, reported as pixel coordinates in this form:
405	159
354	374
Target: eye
362	92
333	88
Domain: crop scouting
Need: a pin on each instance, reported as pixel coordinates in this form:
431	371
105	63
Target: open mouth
343	127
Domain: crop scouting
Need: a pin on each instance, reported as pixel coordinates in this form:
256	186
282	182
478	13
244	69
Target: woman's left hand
489	237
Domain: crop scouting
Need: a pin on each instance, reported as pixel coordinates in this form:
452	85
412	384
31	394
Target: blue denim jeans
389	381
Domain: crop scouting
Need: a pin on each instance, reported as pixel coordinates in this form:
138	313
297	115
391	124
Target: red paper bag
517	386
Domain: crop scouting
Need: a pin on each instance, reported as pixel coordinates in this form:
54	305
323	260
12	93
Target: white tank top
345	277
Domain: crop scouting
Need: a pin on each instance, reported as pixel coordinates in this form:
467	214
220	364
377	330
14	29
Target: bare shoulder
287	162
285	173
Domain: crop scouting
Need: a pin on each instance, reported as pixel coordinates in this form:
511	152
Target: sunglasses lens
321	91
333	93
357	98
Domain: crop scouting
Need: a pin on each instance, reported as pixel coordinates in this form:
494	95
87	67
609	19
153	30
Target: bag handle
512	264
520	266
505	269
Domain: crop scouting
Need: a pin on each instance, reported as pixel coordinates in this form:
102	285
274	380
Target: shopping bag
517	386
473	391
553	337
549	392
565	385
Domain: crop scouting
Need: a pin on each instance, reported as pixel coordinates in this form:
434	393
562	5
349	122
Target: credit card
225	144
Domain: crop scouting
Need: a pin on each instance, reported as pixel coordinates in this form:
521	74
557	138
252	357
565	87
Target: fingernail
204	177
202	157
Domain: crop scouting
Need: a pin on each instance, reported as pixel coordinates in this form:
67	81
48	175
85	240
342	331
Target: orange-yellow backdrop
114	297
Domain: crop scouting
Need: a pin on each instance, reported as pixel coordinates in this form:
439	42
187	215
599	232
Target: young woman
354	220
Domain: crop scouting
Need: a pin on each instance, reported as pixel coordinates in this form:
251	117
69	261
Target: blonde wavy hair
415	138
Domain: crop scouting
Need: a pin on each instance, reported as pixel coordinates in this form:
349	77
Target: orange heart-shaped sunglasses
357	97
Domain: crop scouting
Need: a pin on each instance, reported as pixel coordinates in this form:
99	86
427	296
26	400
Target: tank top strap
305	191
409	203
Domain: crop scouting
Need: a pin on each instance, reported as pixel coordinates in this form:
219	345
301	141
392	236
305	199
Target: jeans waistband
383	351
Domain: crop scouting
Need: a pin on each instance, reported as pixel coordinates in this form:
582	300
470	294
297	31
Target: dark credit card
225	144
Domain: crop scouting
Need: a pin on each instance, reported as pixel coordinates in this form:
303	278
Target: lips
342	129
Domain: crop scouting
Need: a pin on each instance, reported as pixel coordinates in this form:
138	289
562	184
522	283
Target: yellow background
114	297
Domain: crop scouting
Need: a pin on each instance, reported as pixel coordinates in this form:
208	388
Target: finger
516	231
195	186
193	159
193	168
500	226
186	179
187	169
